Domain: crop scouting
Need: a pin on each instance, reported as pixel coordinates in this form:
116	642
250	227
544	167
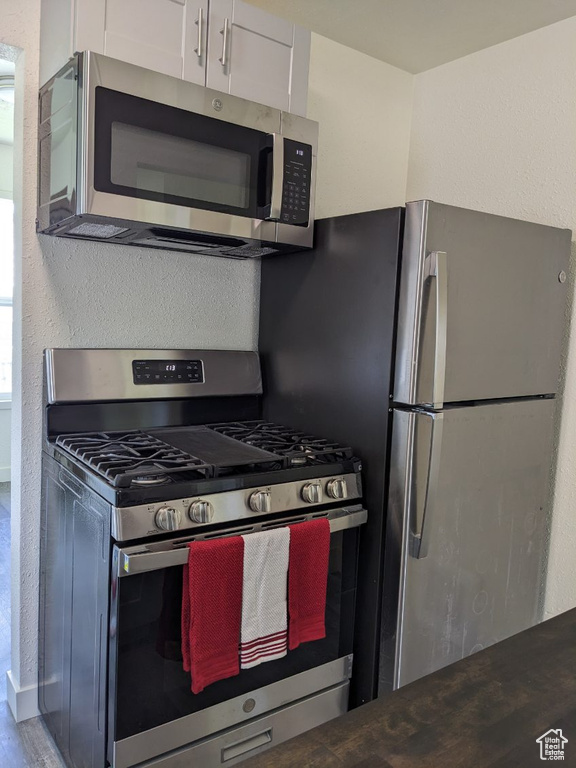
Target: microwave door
165	153
149	151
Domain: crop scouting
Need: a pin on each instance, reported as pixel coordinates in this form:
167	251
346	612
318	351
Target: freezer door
469	490
481	307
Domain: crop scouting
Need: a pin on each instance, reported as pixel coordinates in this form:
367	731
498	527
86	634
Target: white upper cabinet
227	45
161	35
257	56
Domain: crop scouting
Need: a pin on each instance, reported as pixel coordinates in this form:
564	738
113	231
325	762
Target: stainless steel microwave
127	155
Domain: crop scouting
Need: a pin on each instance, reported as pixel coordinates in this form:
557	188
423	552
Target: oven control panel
167	372
240	506
296	188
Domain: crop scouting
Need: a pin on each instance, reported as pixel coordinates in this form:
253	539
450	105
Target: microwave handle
277	177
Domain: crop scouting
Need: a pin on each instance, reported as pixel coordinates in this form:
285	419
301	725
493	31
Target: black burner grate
133	458
296	448
188	454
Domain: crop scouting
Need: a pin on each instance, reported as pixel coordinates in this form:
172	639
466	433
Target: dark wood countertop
484	711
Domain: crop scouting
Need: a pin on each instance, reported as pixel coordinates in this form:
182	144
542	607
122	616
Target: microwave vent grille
102	231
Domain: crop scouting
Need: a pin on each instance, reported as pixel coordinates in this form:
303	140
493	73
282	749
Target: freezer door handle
437	269
424	492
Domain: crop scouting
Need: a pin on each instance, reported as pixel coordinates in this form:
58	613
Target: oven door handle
165	554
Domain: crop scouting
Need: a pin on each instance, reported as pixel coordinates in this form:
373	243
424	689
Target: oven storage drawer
232	715
237	744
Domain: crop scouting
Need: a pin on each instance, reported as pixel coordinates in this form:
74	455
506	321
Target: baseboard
23	702
5	474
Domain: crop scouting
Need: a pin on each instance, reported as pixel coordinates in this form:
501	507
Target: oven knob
312	493
201	511
260	501
168	519
337	488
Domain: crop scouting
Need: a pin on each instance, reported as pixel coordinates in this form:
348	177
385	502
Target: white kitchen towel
264	632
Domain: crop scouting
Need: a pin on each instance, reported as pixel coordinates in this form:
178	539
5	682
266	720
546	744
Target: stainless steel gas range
145	451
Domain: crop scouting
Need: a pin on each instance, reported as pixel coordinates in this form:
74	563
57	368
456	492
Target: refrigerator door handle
437	268
420	524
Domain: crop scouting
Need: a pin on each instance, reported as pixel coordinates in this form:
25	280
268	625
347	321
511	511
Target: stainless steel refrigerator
429	339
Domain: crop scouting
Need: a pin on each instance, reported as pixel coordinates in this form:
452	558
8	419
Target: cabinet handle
199	22
224	32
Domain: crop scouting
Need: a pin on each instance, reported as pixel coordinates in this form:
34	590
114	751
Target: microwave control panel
296	188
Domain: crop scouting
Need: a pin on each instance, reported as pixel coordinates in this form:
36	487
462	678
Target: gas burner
297	448
132	458
154	478
146	481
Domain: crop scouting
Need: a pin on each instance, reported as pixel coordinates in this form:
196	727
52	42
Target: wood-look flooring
28	744
486	711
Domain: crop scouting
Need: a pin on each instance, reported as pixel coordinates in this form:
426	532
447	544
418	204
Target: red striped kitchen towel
264	635
307	581
212	610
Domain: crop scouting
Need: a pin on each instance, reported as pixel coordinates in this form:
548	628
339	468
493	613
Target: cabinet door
167	36
257	56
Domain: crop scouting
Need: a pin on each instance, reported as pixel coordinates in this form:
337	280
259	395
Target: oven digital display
167	372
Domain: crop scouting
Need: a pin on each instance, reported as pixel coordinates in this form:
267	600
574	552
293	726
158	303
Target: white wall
496	131
6	170
6	183
363	107
5	419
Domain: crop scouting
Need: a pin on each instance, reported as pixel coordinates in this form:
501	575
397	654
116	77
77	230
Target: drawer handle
241	747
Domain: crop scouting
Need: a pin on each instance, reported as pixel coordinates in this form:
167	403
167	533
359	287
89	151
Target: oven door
168	153
152	710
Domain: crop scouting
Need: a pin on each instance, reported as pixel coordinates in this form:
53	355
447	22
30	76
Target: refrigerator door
481	307
469	490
